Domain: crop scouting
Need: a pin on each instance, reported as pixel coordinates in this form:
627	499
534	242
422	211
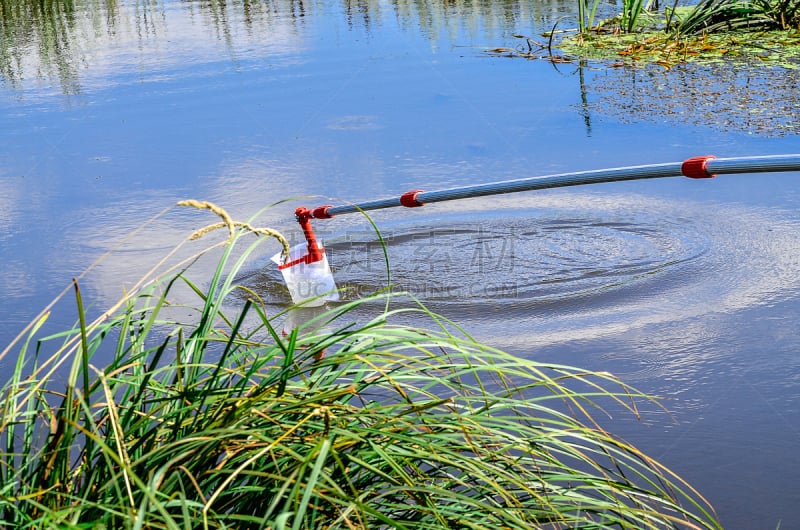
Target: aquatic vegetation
586	14
708	16
628	18
712	16
727	80
768	48
631	10
662	39
220	421
711	31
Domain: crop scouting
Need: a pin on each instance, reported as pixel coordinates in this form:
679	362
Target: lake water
113	111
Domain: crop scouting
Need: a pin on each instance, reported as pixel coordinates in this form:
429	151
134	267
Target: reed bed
223	421
736	16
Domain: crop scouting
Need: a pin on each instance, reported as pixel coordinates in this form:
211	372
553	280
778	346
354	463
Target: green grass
748	31
220	421
627	20
714	16
706	16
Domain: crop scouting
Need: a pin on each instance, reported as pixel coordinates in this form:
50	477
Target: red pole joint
409	199
695	167
321	212
315	253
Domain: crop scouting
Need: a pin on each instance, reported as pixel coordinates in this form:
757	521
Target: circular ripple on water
659	291
519	271
529	257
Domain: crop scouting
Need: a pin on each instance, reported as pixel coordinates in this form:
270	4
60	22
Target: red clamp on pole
409	199
321	212
315	253
695	167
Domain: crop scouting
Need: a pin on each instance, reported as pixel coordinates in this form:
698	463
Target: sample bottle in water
312	283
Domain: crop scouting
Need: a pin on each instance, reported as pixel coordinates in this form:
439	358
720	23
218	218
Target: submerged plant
344	422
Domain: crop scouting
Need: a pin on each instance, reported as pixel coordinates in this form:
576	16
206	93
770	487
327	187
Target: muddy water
687	289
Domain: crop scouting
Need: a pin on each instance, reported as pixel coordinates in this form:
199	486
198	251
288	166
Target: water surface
113	111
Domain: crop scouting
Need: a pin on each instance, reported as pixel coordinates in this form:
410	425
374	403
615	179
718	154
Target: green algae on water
779	48
744	82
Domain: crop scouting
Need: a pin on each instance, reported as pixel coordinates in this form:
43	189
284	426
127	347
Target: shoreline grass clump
747	32
225	422
715	16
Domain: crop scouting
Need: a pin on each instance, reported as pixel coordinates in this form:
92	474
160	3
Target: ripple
518	258
571	267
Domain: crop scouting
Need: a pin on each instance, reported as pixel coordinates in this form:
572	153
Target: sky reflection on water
689	289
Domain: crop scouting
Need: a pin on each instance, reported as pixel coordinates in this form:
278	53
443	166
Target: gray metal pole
697	167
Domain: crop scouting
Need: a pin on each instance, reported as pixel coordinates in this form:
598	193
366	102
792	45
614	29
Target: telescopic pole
696	167
308	274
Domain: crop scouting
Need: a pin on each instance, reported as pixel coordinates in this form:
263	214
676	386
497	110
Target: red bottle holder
307	273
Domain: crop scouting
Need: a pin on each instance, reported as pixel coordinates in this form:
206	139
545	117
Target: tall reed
586	13
221	421
710	16
631	10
